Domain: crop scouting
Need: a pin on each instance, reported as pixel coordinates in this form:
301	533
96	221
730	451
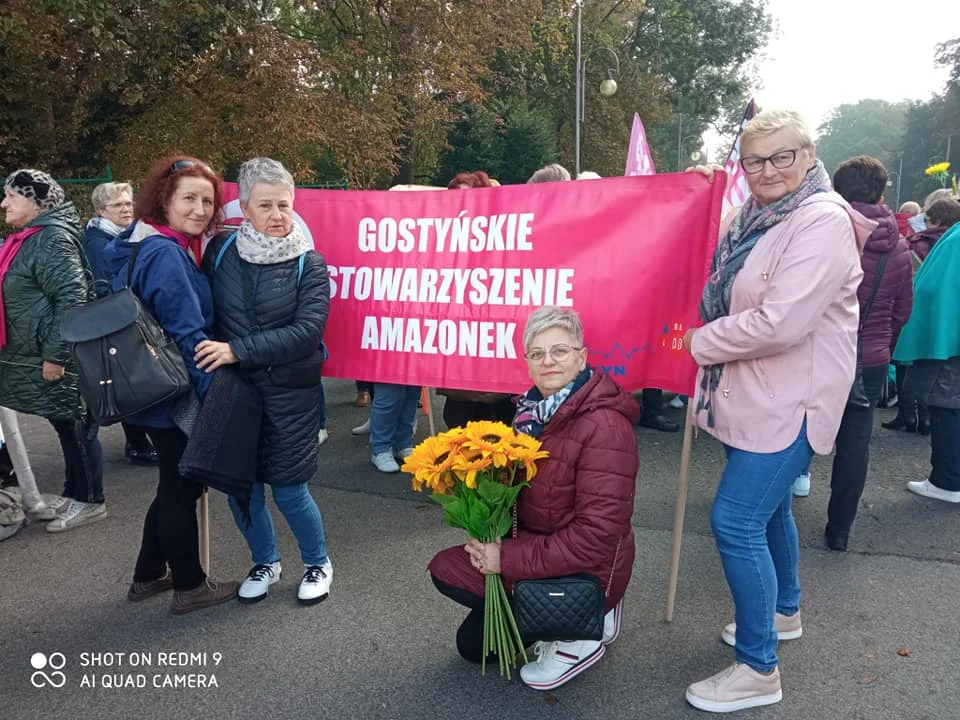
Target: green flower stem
486	627
503	641
513	624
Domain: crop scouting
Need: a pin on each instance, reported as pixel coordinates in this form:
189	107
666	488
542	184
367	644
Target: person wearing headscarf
43	273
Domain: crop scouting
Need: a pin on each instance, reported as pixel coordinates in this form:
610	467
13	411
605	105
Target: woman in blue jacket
178	203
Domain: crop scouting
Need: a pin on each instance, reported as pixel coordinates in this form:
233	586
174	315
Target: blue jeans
302	514
392	413
757	540
322	409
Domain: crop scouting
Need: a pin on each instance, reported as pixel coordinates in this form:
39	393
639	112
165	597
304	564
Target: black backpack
126	363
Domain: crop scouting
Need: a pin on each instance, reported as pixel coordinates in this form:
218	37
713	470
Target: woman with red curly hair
159	257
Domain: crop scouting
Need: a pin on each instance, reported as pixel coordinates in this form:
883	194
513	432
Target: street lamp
694	156
607	88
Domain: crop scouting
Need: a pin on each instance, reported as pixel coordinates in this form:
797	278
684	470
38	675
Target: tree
867	127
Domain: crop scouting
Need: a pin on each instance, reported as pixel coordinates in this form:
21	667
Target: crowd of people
816	287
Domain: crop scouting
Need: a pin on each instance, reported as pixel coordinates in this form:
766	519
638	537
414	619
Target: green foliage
868	127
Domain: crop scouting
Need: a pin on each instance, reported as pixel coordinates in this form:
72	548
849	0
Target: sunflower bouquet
940	171
475	474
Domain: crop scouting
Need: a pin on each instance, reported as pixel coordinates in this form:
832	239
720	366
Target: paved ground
881	636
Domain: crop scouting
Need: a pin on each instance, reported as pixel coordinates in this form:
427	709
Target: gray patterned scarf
260	249
734	248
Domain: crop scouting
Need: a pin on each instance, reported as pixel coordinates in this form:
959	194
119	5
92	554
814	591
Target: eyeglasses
184	164
780	160
558	353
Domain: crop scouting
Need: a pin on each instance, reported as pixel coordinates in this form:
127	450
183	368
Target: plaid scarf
734	248
534	410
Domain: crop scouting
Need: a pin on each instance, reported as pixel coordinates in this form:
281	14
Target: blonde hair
550	316
910	208
939	194
767	122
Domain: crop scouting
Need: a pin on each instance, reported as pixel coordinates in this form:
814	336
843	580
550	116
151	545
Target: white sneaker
928	489
557	662
677	403
75	514
362	429
35	507
801	486
258	582
611	624
55	502
323	436
385	462
403	455
315	586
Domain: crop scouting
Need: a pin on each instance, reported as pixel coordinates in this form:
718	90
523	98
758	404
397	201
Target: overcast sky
827	52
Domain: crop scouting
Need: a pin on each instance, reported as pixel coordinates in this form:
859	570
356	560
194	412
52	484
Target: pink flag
737	190
639	160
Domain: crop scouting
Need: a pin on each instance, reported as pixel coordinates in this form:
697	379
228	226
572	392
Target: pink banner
434	288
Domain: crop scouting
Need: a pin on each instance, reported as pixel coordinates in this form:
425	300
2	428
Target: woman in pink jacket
777	355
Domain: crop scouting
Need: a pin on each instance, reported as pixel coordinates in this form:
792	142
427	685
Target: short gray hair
939	194
262	170
551	173
911	208
767	122
102	194
550	316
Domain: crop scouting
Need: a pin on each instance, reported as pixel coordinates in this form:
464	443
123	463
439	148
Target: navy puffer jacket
894	300
291	315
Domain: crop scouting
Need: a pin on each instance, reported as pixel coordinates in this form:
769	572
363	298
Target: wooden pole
682	484
428	409
204	531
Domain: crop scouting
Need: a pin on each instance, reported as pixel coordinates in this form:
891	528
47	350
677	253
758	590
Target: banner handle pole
428	408
682	484
204	531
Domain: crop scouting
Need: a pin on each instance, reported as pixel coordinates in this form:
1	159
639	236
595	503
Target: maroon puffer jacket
578	507
894	301
922	242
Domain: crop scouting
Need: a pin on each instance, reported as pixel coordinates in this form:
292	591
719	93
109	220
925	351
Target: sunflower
466	468
430	462
526	449
490	439
938	169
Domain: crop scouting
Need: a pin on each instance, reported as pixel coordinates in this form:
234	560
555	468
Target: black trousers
170	533
457	413
652	403
908	406
945	448
135	436
470	632
853	456
82	460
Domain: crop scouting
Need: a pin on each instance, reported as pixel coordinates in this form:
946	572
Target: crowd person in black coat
113	203
271	296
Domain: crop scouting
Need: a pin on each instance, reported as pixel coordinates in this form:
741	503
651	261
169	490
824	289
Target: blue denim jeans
392	414
757	540
302	514
322	409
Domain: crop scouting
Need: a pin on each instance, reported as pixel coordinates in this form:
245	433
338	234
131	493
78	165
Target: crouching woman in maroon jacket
575	517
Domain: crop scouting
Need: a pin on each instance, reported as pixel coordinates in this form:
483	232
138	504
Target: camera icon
56	661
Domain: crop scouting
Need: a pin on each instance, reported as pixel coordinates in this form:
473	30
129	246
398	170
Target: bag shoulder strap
881	266
229	241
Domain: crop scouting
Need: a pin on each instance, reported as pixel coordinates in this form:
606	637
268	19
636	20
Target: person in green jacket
43	273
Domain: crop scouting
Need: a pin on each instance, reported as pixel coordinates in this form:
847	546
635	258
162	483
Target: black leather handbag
562	608
125	362
571	607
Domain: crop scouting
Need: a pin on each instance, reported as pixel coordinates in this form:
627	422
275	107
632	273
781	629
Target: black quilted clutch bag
562	608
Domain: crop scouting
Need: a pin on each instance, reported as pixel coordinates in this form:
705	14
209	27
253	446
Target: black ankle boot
835	541
902	422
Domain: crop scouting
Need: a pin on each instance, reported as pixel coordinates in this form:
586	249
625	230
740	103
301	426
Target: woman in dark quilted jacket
43	273
271	296
575	518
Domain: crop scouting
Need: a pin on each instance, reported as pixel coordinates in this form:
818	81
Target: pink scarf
8	251
190	244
